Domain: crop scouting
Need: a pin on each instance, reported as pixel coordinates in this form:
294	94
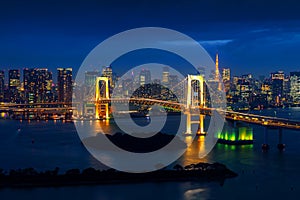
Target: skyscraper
14	85
127	87
226	79
2	78
37	85
90	78
277	86
173	81
165	76
145	77
107	72
295	86
64	84
226	74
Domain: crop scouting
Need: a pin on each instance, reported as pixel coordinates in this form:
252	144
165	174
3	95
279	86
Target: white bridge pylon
102	108
190	99
190	104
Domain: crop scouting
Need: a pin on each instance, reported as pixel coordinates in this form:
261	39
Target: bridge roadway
267	121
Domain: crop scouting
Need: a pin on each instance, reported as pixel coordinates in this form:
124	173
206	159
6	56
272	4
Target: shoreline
28	178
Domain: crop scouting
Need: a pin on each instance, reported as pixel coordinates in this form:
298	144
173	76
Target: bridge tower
193	101
102	109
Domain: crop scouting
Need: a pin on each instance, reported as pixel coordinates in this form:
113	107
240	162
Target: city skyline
246	36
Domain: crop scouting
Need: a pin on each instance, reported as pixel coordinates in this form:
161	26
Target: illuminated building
286	89
145	77
14	85
127	87
37	85
277	75
226	78
247	78
87	92
2	86
277	87
226	74
295	86
90	78
107	72
173	81
165	76
266	90
64	84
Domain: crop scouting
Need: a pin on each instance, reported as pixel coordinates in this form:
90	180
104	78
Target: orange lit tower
217	75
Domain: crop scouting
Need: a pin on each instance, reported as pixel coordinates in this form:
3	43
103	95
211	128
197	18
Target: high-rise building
107	72
14	85
295	86
165	76
2	86
90	78
30	85
226	74
37	85
64	84
286	89
173	81
277	75
88	91
226	79
145	77
277	87
127	87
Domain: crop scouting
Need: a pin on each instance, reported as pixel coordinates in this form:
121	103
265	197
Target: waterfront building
127	87
107	72
37	85
165	76
144	77
64	84
295	86
2	85
14	85
277	87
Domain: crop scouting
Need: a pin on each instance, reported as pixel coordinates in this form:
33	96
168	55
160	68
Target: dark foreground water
262	175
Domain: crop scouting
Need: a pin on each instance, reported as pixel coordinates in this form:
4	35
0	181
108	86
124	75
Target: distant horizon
54	73
250	36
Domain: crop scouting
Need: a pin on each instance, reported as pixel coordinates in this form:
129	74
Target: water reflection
192	153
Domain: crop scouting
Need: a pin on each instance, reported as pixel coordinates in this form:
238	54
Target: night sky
255	36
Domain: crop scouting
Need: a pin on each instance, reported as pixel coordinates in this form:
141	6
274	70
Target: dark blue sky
250	36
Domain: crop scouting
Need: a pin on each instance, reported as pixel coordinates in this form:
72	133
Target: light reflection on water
270	175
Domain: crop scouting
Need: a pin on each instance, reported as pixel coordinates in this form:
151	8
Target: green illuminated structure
236	135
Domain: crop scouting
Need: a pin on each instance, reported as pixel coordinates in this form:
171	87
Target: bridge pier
200	130
280	145
265	146
188	123
234	124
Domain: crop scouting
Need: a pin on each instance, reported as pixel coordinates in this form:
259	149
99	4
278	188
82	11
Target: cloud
203	42
215	42
260	30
